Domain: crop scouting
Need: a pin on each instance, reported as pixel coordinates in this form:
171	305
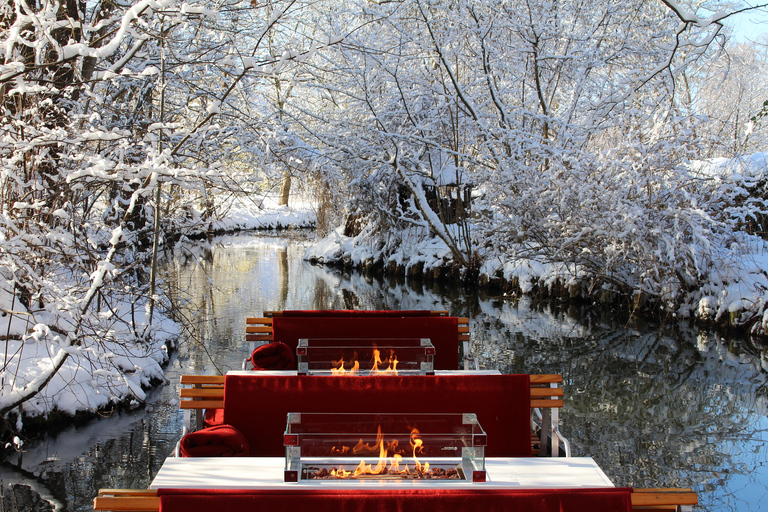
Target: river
655	406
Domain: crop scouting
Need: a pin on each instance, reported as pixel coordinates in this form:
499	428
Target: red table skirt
355	312
421	500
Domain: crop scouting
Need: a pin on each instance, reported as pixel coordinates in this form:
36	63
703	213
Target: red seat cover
257	405
442	331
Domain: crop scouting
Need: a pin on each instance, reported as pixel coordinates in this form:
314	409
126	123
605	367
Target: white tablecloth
267	473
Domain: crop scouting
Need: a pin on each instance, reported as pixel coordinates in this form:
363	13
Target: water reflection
654	406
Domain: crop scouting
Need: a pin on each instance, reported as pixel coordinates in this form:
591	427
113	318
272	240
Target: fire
387	464
340	473
418	447
391	362
339	366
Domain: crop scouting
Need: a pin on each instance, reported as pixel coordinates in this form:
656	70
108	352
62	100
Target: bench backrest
257	405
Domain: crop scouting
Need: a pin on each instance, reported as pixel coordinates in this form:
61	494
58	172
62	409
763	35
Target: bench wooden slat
259	337
546	379
255	320
202	379
664	489
127	503
544	392
127	492
663	497
217	392
544	403
201	404
255	329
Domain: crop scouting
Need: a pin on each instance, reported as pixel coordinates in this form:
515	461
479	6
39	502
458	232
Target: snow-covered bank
736	294
116	355
107	366
732	290
264	213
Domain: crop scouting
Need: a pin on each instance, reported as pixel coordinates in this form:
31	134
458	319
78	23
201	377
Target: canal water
655	406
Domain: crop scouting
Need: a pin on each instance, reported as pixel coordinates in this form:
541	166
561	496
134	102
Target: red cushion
398	500
218	441
355	312
213	417
273	356
257	405
442	331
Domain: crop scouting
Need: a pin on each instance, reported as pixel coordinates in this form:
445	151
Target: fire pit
362	356
419	447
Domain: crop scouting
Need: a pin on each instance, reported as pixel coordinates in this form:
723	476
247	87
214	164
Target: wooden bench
147	500
204	392
260	331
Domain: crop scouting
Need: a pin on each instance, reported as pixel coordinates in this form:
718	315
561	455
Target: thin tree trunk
285	190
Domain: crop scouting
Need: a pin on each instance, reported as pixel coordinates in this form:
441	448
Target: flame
391	362
418	447
386	464
394	465
365	447
340	473
339	366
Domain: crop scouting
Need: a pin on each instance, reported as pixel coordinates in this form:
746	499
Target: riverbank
118	357
734	298
678	261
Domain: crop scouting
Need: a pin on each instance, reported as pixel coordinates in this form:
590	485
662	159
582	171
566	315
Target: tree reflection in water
654	406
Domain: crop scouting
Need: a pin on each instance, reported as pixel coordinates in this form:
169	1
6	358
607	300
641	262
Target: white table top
267	473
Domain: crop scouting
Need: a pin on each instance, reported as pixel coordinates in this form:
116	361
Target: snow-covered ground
95	372
111	364
264	213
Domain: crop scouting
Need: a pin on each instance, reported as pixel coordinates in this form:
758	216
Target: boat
353	410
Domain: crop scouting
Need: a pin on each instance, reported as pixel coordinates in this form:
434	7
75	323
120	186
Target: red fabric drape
213	417
273	356
421	500
355	312
257	405
442	331
217	441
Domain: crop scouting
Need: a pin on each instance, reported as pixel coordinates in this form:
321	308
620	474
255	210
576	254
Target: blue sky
749	25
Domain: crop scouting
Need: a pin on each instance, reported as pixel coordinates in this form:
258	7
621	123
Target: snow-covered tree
116	120
564	116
